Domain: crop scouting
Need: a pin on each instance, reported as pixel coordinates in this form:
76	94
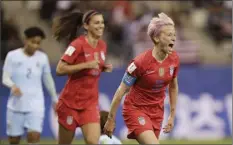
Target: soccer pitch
76	141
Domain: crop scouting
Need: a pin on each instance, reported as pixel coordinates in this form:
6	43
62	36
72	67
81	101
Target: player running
147	78
22	73
83	61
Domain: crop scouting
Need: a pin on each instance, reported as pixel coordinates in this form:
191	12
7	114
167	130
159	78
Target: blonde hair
156	24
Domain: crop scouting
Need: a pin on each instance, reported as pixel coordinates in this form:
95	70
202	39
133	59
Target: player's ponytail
66	27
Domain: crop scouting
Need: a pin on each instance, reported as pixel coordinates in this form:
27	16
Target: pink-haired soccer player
146	79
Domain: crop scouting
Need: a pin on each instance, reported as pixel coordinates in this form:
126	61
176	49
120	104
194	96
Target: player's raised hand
108	68
109	127
16	91
170	124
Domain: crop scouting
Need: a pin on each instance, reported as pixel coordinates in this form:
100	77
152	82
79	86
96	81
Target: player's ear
85	25
156	39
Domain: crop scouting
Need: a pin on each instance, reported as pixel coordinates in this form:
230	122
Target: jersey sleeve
176	69
72	51
8	65
46	67
133	72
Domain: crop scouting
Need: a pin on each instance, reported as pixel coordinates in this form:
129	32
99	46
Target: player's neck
27	53
158	54
92	41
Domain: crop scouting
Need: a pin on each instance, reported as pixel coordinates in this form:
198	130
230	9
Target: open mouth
171	45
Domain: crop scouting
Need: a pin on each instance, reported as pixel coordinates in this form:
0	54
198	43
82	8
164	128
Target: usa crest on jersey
171	70
161	71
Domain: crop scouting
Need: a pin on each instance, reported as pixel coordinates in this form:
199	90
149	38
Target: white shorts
18	121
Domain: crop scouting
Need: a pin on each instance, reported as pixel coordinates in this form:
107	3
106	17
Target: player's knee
14	140
33	137
92	139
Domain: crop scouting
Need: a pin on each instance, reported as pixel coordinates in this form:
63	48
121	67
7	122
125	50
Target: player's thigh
88	115
67	117
67	123
34	121
136	122
15	123
89	121
34	125
91	133
65	136
147	137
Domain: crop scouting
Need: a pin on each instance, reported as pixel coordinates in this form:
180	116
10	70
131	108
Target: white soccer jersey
26	72
104	139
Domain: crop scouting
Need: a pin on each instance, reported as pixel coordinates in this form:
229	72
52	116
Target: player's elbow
60	71
61	68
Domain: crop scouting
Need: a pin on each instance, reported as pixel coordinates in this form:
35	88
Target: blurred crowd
127	21
10	37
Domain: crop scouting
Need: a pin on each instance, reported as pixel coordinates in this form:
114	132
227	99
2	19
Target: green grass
224	141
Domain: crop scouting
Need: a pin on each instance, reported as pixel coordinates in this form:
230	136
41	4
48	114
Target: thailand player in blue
23	72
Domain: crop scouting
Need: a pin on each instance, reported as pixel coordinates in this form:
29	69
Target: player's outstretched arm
64	68
110	124
173	93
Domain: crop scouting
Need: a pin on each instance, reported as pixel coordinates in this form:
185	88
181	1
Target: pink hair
157	22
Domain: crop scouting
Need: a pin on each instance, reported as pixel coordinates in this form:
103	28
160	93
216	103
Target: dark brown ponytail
66	27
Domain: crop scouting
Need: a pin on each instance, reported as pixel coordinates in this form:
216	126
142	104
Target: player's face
33	44
96	25
167	38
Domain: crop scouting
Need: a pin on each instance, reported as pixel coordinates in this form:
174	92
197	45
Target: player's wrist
172	113
172	116
13	86
111	117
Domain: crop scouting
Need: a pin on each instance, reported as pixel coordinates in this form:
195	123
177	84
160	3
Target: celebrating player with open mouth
146	79
83	61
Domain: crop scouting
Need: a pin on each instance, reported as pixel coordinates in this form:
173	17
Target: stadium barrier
204	109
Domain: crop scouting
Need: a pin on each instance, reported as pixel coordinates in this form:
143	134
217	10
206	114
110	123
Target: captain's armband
128	79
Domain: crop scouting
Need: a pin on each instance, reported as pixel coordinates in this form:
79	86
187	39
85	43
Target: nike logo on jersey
149	72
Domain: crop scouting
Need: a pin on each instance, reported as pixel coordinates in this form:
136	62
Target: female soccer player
22	73
146	78
83	61
104	139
